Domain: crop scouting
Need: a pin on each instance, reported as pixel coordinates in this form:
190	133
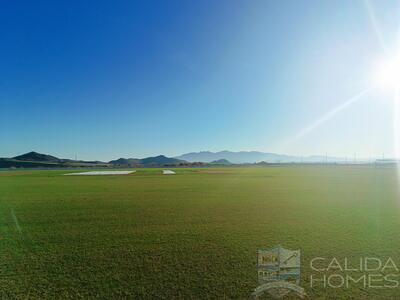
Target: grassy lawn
189	235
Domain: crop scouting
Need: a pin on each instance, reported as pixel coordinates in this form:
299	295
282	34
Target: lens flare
387	73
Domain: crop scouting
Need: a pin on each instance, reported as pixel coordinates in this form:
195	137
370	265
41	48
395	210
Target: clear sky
109	79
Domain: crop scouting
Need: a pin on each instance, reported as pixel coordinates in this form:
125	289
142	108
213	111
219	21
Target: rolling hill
38	160
148	161
125	161
34	156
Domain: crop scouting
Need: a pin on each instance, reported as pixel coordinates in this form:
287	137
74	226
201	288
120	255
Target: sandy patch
103	173
168	172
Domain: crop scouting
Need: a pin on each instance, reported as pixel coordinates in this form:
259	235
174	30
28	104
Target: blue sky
109	79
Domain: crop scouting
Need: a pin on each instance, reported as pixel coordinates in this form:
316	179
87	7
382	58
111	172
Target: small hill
125	161
160	160
221	161
34	156
148	161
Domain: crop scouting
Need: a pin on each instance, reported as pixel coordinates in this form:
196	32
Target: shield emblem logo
278	271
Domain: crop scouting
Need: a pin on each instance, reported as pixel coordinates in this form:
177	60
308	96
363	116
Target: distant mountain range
234	157
243	157
34	159
39	160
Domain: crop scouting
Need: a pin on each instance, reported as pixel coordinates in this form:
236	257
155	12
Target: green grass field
192	235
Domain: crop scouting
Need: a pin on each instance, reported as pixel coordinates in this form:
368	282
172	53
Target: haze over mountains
243	157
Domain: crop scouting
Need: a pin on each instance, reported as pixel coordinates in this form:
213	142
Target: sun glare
387	73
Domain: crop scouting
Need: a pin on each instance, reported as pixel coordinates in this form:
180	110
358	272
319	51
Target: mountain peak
35	156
